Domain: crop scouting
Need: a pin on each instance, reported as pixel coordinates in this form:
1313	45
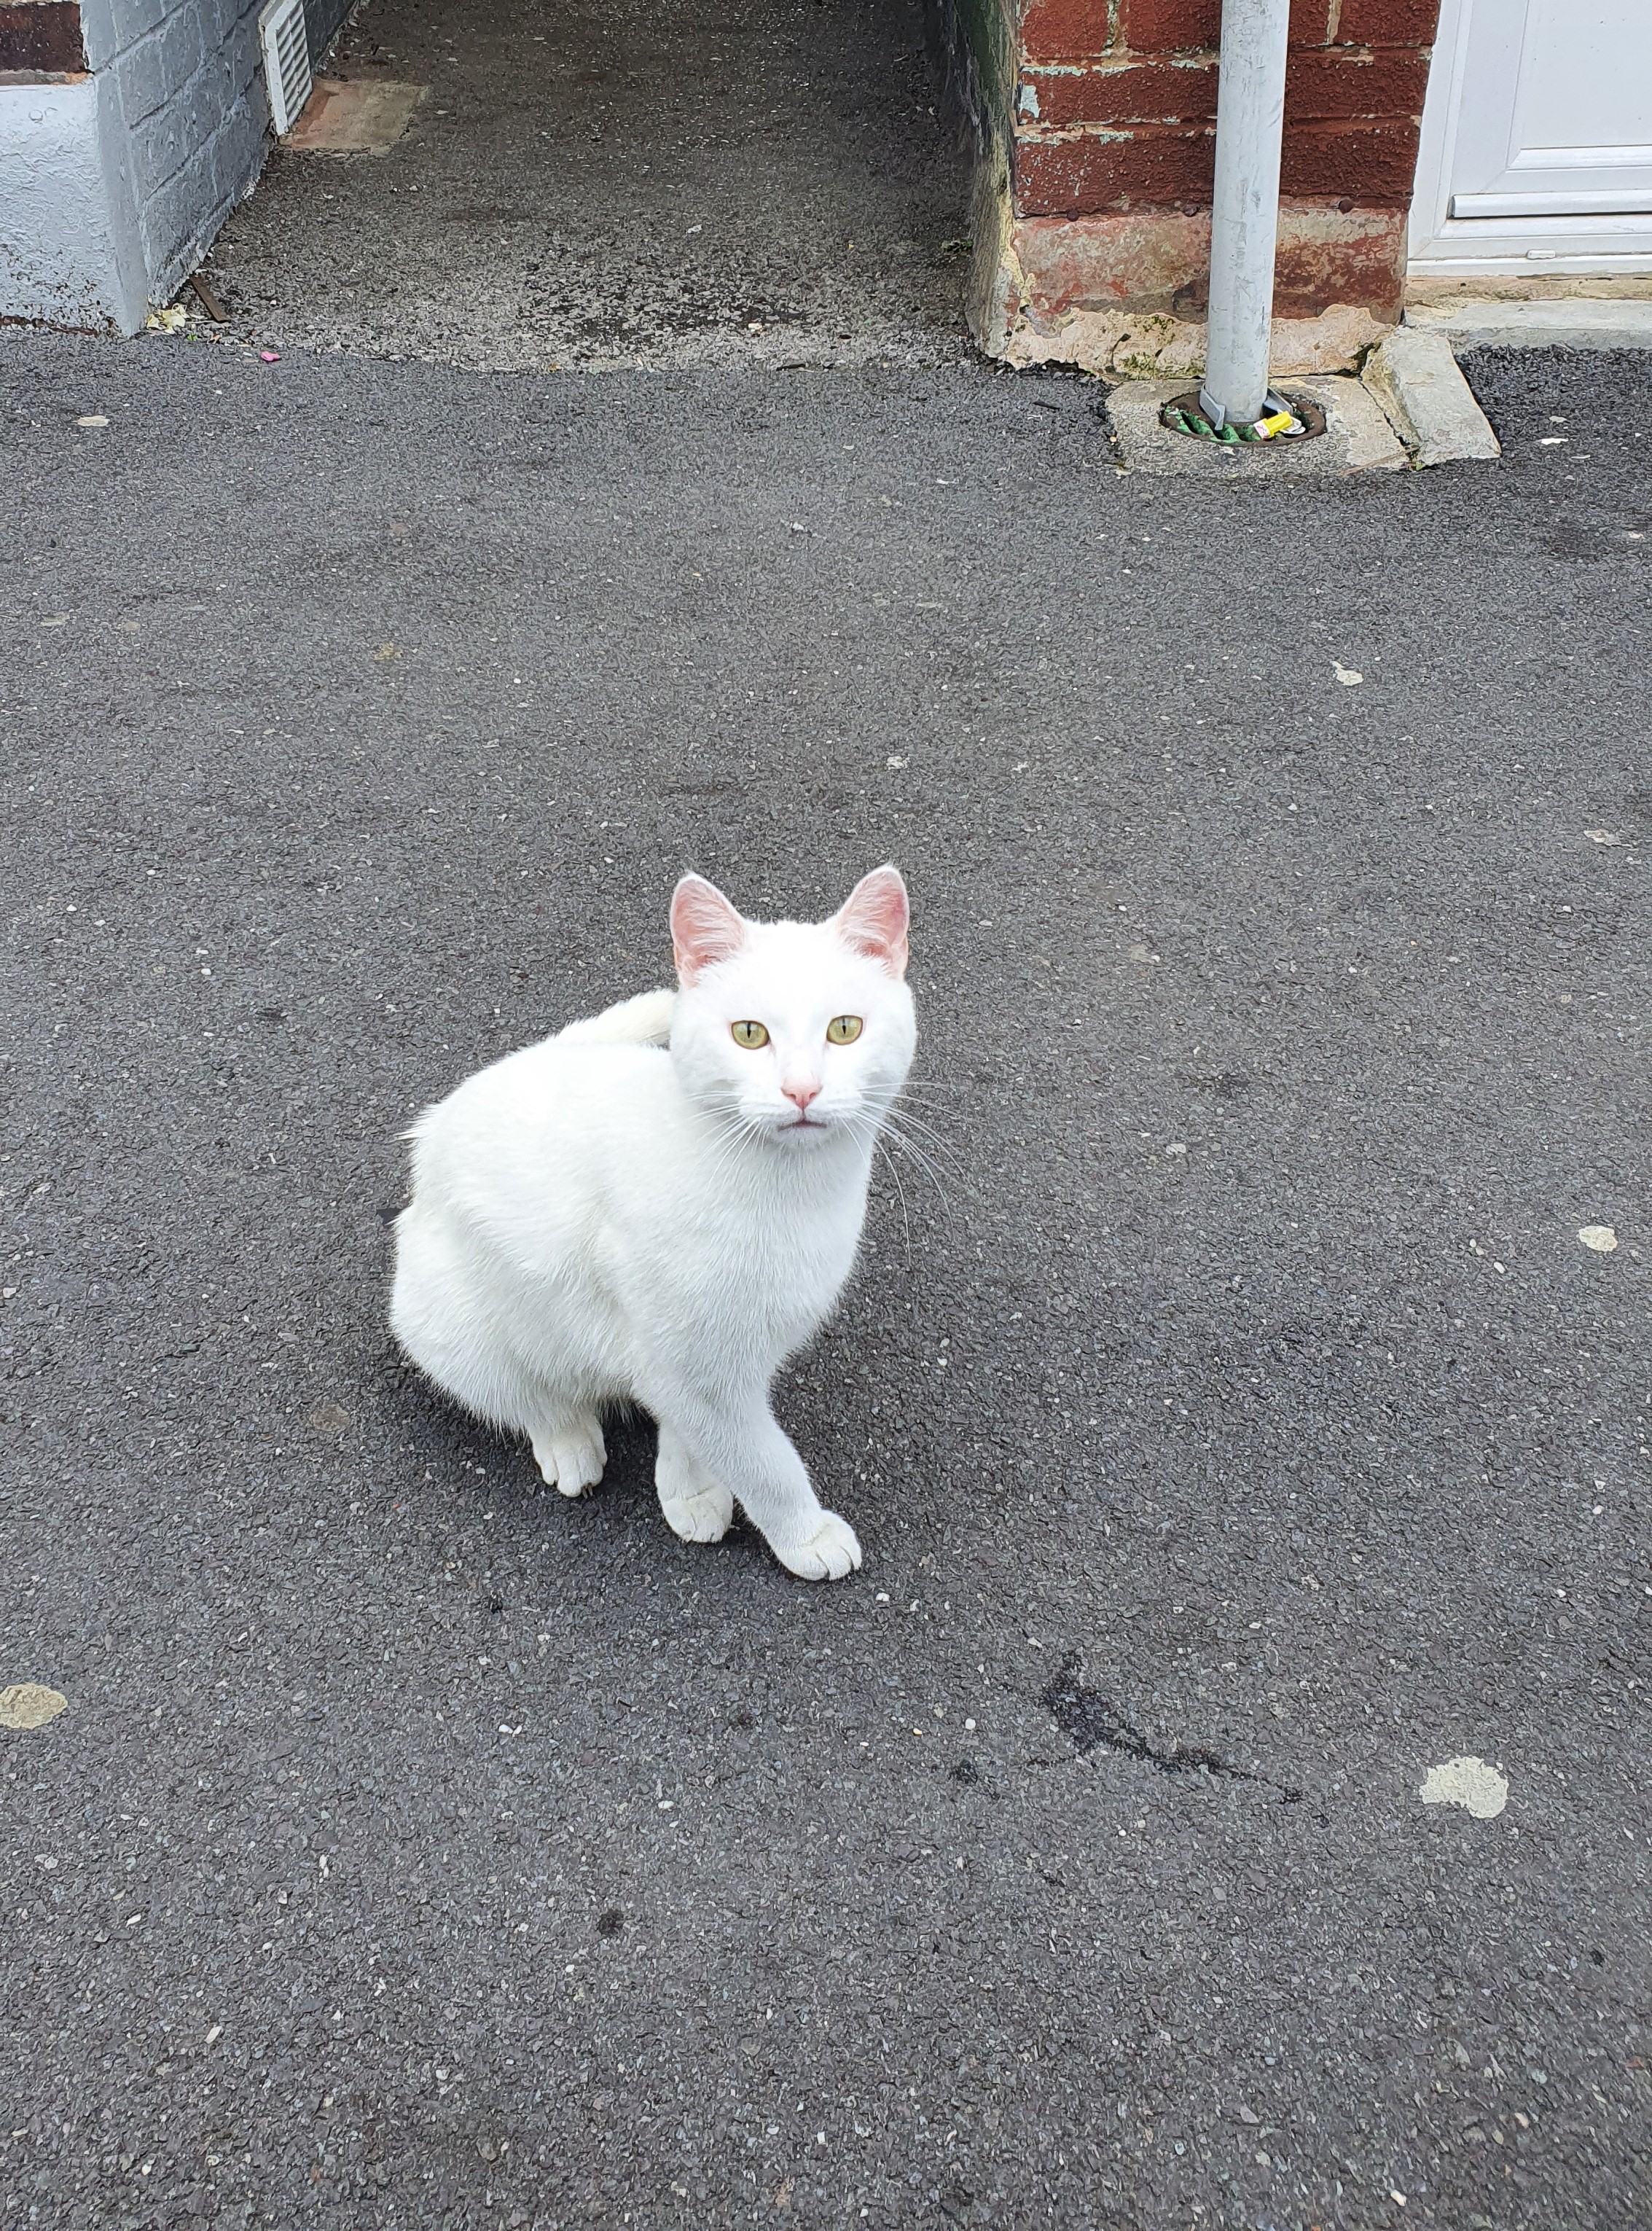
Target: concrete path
1239	1434
645	181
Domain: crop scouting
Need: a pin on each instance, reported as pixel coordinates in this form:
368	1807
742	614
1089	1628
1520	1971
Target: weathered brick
1157	261
1064	30
1148	92
1165	27
1373	163
42	35
1335	82
1168	27
1390	22
1060	178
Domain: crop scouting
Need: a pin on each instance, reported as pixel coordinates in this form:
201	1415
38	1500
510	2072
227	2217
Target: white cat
659	1204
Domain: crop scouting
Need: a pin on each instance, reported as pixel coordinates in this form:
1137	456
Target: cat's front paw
571	1458
697	1509
701	1516
826	1555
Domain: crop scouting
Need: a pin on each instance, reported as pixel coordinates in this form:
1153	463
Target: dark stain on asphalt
1091	1722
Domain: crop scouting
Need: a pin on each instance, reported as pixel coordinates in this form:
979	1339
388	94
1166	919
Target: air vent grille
287	61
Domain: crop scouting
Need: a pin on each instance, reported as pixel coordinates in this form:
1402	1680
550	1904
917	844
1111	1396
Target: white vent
287	61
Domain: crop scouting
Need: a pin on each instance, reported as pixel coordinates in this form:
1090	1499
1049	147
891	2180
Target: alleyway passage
624	182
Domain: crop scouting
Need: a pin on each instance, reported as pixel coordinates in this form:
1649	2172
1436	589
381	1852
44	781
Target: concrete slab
1415	378
1357	438
354	116
1586	325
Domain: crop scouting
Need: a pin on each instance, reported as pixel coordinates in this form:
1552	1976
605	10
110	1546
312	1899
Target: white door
1537	139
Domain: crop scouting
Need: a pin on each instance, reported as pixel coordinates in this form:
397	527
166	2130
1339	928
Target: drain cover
1182	414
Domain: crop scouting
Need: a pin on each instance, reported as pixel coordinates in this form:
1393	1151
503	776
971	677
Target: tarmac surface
642	183
1237	1431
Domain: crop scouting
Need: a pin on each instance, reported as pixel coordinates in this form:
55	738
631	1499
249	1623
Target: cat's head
803	1032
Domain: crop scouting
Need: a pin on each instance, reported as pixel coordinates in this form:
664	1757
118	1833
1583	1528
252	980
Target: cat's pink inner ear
875	919
705	928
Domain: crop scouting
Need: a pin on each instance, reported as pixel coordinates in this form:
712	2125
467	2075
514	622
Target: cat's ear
874	918
705	928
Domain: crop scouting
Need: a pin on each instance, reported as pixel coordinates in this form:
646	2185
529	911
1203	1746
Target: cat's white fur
642	1210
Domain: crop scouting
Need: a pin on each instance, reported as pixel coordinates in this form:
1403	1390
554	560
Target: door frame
1442	246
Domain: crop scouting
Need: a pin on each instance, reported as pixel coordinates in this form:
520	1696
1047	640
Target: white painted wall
114	186
71	253
187	89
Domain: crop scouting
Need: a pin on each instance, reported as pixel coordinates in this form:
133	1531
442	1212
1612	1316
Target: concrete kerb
1415	378
1357	437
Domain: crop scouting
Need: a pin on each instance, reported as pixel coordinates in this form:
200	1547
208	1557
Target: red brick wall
40	38
1115	106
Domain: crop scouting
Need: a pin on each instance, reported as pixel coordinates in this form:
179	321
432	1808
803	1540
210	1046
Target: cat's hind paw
826	1555
570	1457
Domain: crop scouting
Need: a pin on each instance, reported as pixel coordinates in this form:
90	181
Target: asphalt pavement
1236	1426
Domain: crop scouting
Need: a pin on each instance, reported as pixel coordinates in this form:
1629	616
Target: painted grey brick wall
186	82
323	20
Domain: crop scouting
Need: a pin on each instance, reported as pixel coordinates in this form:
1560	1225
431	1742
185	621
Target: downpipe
1244	215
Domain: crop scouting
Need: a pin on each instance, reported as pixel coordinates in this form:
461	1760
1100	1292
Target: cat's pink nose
801	1095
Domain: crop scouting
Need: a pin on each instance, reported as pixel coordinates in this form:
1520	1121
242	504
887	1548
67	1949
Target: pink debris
269	355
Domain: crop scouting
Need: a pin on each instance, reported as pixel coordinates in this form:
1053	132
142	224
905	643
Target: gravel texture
749	183
1237	1429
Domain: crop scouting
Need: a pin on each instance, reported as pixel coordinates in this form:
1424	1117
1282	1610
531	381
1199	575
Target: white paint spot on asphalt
1600	1237
1602	836
1346	675
1479	1788
93	418
31	1705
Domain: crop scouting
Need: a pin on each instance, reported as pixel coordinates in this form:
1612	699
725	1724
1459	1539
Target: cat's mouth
803	1123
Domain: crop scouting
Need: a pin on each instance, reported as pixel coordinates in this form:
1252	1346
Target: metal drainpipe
1244	218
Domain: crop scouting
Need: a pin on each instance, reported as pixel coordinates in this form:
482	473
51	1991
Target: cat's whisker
938	1141
878	1147
893	1132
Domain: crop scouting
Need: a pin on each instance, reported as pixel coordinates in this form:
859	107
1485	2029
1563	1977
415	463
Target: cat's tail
645	1020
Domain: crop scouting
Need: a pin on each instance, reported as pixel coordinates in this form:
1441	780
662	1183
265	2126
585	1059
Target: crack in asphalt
1091	1722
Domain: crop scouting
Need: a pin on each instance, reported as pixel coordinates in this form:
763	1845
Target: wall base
1125	293
70	252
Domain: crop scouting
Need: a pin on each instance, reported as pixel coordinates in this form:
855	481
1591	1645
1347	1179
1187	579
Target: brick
1150	92
42	35
157	69
1156	262
1370	163
1075	177
132	20
1167	27
1334	82
1065	31
1389	23
1325	257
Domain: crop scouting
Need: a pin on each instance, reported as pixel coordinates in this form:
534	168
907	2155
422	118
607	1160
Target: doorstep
1559	321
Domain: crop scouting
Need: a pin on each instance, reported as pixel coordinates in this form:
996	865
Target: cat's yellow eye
750	1034
843	1029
